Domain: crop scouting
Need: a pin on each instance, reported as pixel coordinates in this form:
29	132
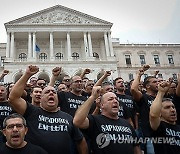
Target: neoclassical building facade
60	36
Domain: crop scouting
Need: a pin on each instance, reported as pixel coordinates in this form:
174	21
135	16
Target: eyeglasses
11	127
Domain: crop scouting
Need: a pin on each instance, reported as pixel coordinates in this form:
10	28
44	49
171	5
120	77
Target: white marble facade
75	41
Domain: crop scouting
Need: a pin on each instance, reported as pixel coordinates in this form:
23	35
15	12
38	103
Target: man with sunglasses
15	129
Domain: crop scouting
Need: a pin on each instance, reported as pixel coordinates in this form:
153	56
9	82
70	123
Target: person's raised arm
4	73
55	73
19	104
178	86
80	119
135	85
155	109
156	73
102	78
86	71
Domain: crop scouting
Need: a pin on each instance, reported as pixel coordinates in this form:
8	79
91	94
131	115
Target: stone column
106	44
90	45
68	46
34	45
12	45
86	49
110	45
8	45
51	46
29	46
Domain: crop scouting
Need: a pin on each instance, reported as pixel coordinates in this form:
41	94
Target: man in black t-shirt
48	126
125	99
69	102
15	129
108	133
144	101
5	109
163	118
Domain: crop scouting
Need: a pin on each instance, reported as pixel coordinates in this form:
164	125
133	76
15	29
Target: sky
134	21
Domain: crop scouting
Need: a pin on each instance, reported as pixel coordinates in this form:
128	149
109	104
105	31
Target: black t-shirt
170	133
106	134
144	109
53	131
27	149
176	101
5	110
128	101
69	102
123	111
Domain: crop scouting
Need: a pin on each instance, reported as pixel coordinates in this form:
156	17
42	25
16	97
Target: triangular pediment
58	15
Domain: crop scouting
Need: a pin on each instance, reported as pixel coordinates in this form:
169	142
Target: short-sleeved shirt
144	109
130	104
27	149
170	133
70	102
5	110
53	131
106	135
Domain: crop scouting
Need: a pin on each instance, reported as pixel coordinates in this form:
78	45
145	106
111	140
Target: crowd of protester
79	115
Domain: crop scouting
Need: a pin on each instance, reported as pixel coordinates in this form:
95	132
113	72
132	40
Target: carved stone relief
58	16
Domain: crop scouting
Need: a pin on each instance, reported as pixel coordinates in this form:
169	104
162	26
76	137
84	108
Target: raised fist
32	69
56	71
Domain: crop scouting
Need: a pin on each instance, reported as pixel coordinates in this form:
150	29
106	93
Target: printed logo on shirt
112	133
74	103
52	124
5	110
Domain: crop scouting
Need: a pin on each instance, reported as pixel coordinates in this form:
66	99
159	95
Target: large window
75	55
43	56
59	55
156	59
22	57
170	59
128	59
142	59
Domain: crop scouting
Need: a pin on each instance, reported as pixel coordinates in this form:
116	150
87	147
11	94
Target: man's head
66	80
33	81
172	89
62	87
49	99
168	111
14	129
76	85
3	93
110	105
36	95
151	84
107	87
88	86
41	83
119	84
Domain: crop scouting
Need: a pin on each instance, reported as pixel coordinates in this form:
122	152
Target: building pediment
58	15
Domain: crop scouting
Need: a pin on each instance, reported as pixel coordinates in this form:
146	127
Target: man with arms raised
49	127
163	118
106	127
